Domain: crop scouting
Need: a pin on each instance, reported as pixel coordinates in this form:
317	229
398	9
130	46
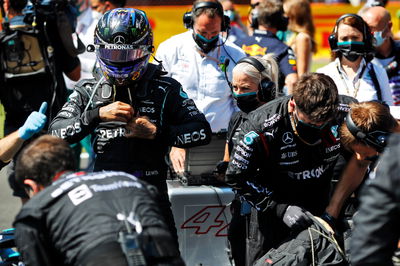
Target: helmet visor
121	53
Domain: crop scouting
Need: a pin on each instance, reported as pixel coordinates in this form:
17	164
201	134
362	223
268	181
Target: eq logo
207	218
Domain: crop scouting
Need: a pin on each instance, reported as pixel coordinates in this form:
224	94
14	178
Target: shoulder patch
183	94
249	137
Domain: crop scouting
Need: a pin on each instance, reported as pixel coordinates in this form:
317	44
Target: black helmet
124	42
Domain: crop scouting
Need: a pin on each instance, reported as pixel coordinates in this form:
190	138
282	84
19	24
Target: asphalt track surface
9	205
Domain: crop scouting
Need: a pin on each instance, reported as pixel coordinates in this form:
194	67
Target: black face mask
205	44
309	133
351	50
247	102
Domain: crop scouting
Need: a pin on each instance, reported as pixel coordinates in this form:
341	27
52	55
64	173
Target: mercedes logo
287	138
119	39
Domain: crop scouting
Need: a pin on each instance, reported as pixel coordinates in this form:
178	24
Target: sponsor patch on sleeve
249	137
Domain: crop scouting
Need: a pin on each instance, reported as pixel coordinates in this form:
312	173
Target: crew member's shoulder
394	140
270	113
234	50
156	75
327	69
176	40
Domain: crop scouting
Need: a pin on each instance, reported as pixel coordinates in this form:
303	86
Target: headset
266	88
367	35
188	16
277	19
376	139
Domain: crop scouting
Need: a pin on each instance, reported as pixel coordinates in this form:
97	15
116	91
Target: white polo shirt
202	77
362	88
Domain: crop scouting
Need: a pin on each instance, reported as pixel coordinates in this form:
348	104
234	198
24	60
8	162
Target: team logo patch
334	130
287	137
254	49
183	94
119	39
249	137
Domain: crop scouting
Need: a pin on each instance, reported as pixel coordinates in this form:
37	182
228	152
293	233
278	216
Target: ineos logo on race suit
144	109
190	137
68	131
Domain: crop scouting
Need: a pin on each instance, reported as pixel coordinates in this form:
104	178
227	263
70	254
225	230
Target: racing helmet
123	40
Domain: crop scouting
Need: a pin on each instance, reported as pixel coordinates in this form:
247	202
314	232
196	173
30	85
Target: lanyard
210	57
357	85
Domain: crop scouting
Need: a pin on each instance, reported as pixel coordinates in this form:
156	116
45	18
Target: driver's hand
141	127
178	157
116	111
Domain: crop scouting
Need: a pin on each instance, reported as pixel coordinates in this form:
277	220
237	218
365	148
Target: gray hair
271	71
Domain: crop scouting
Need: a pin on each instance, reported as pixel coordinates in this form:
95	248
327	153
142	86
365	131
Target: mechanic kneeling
100	218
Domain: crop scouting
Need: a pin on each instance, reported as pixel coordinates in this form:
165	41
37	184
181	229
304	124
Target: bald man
388	50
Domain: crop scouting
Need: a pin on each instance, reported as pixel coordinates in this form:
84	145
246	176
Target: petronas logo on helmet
119	46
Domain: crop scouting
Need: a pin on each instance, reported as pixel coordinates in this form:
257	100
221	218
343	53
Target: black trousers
237	233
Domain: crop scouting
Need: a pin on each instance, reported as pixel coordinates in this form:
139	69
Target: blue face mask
378	39
206	45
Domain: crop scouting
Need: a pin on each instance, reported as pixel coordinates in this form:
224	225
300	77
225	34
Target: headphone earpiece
376	139
266	88
188	19
367	35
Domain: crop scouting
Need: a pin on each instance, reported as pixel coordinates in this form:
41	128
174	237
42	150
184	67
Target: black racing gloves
296	218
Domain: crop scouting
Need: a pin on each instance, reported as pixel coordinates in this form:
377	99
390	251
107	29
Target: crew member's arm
303	50
287	65
351	178
29	239
290	81
376	224
249	155
11	144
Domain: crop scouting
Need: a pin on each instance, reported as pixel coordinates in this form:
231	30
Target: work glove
221	167
34	123
296	218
